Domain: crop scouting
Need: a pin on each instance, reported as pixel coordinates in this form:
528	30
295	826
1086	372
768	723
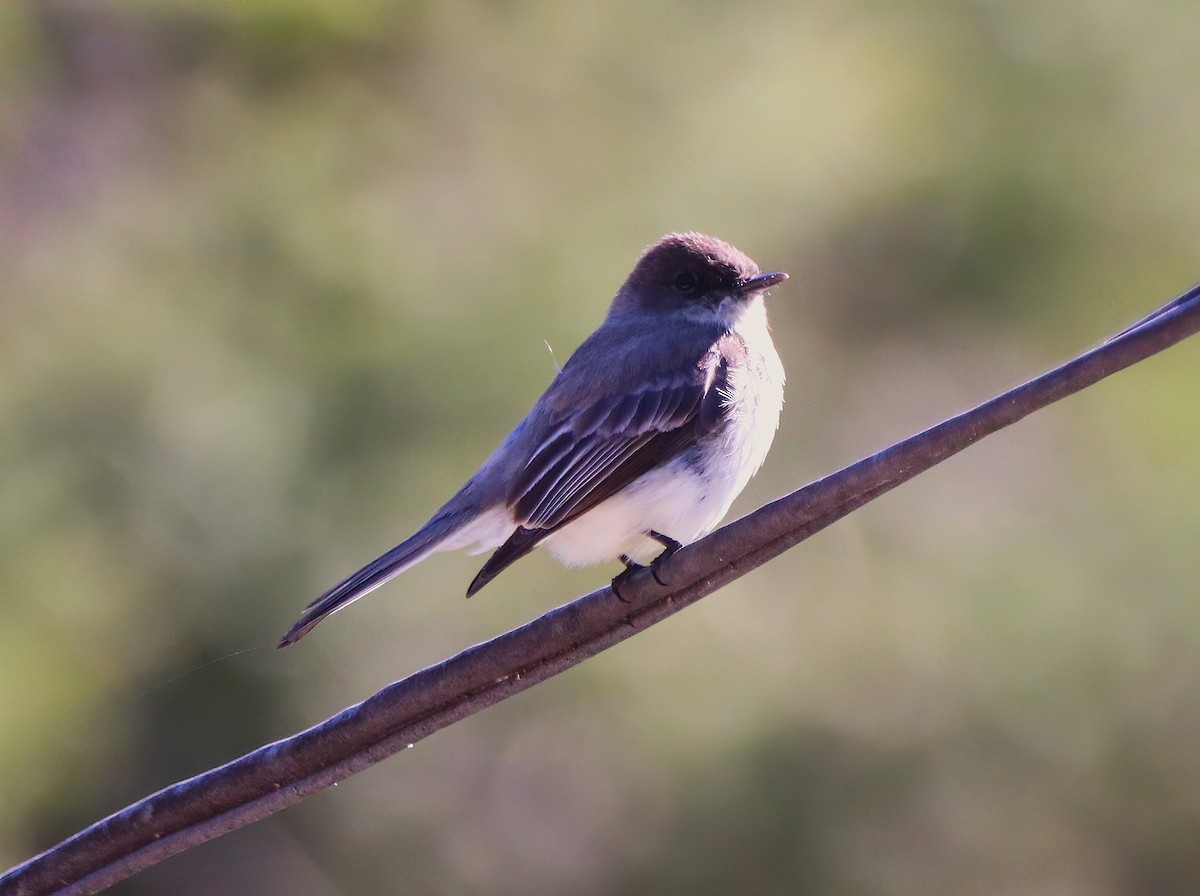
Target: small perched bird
641	443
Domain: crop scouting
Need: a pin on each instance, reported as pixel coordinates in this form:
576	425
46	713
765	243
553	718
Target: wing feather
598	450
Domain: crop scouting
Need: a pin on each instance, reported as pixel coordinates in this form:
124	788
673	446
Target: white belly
672	500
684	500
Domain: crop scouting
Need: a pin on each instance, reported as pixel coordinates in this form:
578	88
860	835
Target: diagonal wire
280	774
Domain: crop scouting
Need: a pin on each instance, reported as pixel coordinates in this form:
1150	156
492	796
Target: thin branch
280	774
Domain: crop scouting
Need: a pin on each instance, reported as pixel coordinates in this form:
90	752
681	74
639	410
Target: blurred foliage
263	262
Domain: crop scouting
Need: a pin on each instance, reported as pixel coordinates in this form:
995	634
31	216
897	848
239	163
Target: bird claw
619	578
670	546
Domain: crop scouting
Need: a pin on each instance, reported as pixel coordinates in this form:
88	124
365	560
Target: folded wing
595	452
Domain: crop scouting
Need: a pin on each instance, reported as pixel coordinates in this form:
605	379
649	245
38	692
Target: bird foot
670	546
667	542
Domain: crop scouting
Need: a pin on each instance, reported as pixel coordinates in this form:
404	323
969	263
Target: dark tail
518	545
408	553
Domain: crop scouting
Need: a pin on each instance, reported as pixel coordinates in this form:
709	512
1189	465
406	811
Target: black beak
762	281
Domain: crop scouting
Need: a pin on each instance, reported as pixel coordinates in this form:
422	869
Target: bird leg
667	542
630	566
670	546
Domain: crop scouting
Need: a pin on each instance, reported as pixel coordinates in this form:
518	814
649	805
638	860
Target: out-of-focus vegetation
277	276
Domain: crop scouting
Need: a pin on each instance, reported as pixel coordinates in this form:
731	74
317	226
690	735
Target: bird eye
685	282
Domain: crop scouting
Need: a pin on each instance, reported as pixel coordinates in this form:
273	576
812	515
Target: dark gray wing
597	451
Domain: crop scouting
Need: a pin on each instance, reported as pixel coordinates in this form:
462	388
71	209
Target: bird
642	440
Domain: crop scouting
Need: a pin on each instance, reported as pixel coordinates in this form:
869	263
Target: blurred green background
278	275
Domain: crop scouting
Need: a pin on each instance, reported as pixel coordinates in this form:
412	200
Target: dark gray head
685	270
